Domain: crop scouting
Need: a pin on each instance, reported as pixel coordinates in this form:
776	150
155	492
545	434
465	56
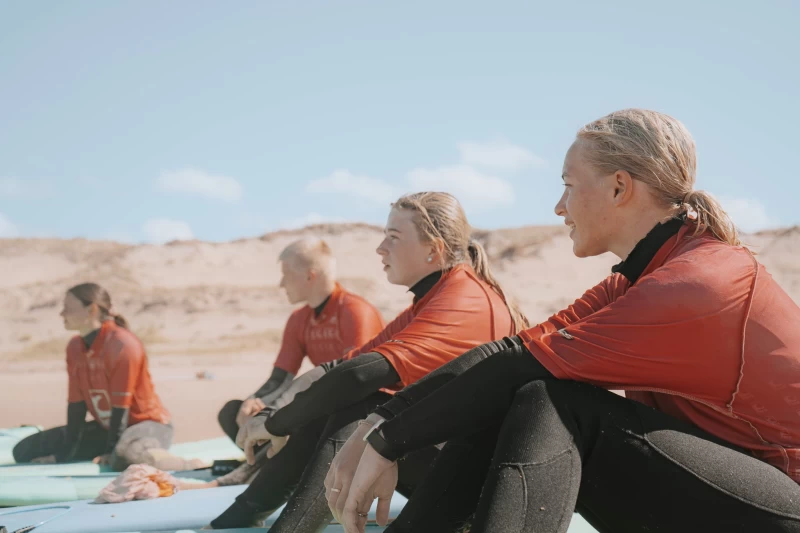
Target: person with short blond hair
332	322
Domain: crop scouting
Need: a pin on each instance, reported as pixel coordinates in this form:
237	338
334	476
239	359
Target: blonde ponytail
480	264
709	215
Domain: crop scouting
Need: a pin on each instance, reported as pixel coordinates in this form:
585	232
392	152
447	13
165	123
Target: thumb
382	512
248	451
271	451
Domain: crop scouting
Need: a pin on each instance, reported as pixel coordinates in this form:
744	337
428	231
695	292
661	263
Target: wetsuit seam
539	463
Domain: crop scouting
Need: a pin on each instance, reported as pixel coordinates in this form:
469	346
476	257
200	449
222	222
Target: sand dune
217	307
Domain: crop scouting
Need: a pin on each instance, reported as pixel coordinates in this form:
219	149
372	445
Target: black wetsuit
83	441
524	450
320	420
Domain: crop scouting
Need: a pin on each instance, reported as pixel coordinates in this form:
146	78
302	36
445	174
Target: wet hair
439	216
658	150
92	293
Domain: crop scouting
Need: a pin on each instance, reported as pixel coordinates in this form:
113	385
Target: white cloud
7	228
201	183
310	219
748	215
473	188
472	180
364	186
17	187
161	230
498	155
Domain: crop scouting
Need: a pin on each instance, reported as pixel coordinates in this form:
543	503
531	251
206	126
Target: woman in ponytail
457	305
109	377
703	341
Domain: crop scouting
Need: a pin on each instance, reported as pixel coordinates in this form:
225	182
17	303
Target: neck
425	273
95	324
321	291
633	231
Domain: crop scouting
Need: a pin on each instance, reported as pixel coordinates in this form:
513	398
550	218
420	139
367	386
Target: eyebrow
389	230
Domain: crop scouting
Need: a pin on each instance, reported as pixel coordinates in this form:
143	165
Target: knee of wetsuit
21	453
227	414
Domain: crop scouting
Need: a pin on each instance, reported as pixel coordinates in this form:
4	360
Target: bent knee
229	411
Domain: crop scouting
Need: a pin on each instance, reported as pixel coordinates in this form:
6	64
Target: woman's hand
376	477
343	469
102	460
254	433
250	407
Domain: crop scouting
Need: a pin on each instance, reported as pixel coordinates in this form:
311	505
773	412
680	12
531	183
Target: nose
561	206
282	283
381	250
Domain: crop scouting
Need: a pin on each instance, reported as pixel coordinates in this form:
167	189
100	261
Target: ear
94	310
311	275
623	187
437	249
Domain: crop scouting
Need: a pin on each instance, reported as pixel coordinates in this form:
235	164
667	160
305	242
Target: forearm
342	386
438	378
477	398
277	384
76	421
117	425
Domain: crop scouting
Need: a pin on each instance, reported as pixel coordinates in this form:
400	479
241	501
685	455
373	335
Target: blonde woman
457	305
702	339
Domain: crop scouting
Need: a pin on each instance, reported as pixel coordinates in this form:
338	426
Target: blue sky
147	121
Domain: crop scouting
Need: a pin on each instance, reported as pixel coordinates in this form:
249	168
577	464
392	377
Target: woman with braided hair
457	305
109	377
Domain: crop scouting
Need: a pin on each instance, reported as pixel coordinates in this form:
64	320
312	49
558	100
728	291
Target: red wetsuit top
458	313
113	372
346	322
705	335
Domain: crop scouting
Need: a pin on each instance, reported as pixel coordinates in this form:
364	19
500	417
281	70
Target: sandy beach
215	309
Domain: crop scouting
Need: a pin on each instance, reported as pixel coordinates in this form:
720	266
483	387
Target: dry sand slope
217	307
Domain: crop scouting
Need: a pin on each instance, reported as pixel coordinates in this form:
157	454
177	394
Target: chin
582	250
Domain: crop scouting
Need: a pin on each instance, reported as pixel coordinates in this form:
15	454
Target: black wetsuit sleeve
76	421
278	382
460	398
345	384
118	424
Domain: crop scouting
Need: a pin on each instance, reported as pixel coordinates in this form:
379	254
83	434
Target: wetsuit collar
89	338
646	249
318	309
421	288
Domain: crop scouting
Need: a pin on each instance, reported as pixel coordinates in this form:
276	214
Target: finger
362	523
382	512
330	477
271	451
350	518
248	451
341	499
241	436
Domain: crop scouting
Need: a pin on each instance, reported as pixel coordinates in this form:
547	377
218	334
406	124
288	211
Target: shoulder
121	340
74	347
297	320
355	303
462	285
704	275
